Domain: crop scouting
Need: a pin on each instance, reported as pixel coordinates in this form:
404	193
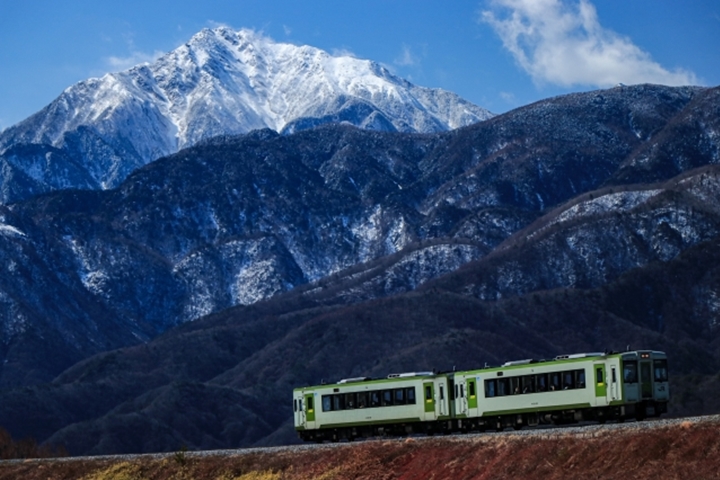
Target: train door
298	413
452	397
472	394
646	379
600	384
309	404
429	396
460	398
443	409
614	393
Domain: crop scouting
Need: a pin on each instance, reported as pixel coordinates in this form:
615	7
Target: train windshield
661	370
630	371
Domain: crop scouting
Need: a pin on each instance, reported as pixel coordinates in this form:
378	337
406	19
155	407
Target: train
524	393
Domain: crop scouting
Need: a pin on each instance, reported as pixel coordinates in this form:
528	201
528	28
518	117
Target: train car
361	407
570	388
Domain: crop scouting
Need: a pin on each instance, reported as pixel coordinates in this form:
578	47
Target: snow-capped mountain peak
225	82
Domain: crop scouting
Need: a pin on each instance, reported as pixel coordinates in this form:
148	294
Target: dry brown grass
690	450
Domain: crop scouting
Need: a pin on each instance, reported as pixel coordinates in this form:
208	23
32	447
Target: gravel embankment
679	448
580	431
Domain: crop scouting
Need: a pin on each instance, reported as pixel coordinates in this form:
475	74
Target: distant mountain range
357	215
222	82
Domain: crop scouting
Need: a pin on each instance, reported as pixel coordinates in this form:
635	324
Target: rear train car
361	407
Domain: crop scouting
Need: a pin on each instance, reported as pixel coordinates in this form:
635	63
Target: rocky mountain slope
221	82
208	384
351	215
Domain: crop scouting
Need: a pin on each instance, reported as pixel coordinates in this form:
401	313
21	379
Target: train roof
560	359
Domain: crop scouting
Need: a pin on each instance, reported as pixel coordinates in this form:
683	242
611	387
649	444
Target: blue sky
499	54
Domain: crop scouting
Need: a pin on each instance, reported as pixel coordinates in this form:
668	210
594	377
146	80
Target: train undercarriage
639	412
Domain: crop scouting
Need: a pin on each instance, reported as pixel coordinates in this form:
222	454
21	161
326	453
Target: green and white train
567	389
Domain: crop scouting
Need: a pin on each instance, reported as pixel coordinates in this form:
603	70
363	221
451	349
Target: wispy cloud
342	52
562	42
216	24
508	97
287	30
135	58
406	58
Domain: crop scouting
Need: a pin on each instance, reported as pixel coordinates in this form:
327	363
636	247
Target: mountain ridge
235	220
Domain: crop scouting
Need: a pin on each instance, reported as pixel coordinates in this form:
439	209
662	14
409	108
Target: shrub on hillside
26	448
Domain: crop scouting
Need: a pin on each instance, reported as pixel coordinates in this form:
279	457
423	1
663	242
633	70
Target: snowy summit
222	82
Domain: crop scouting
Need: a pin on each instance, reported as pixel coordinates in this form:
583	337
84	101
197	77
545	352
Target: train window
387	398
471	389
568	380
614	375
375	399
309	404
338	402
599	377
514	385
410	395
630	371
661	372
350	402
528	384
428	392
490	388
327	403
362	399
442	392
294	405
503	387
399	396
555	381
462	390
579	378
542	382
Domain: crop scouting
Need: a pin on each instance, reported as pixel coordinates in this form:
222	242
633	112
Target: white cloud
287	30
216	24
342	52
406	58
562	42
508	97
135	58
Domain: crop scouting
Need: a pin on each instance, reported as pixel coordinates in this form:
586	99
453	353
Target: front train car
569	388
645	386
362	407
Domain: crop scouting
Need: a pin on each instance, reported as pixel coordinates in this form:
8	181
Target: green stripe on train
495	413
370	422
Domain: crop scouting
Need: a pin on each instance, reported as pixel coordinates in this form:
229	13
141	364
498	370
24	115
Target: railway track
588	430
